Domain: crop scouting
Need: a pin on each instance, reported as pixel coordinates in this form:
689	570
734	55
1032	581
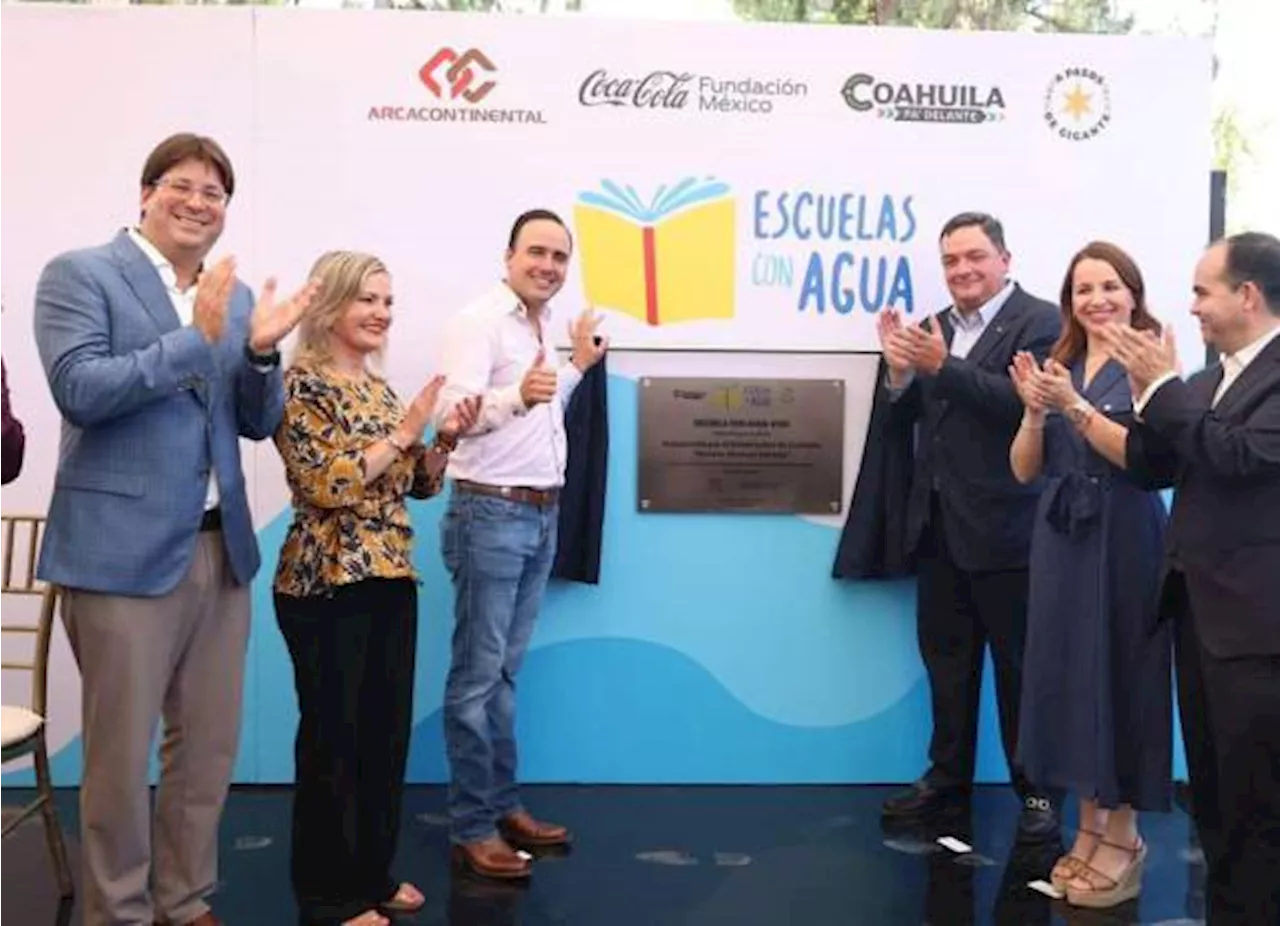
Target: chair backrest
21	536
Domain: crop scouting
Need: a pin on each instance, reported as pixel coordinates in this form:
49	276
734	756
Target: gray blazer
147	407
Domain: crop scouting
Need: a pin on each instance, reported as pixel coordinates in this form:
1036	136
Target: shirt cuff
567	378
1147	393
895	392
511	402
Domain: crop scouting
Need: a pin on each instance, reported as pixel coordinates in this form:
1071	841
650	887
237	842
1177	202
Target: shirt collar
977	319
512	303
1246	355
164	267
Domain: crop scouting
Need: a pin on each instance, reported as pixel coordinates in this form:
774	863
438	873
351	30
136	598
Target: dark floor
653	856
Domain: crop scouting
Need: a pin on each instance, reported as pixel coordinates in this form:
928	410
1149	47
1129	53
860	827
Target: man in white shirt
1222	586
499	534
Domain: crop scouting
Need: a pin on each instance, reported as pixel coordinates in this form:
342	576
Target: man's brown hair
187	146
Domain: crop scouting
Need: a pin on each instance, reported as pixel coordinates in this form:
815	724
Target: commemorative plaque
741	445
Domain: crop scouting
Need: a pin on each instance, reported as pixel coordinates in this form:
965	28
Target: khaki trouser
180	657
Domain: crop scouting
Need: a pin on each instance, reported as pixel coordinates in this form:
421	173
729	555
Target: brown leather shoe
492	858
521	829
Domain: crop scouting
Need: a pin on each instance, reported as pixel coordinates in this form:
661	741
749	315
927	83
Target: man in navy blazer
967	522
158	365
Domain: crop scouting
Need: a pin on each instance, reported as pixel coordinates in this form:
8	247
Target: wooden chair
22	729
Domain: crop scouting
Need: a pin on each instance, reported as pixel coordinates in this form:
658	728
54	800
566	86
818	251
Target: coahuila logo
851	246
1077	104
668	260
916	102
673	89
460	80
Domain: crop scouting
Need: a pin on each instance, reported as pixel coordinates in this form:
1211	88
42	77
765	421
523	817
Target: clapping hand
272	321
1146	356
213	295
462	417
1028	381
420	410
927	349
893	341
1058	389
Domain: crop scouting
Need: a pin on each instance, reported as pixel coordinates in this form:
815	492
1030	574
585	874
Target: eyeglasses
214	196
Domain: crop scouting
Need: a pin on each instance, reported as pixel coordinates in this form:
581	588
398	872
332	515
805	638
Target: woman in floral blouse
346	596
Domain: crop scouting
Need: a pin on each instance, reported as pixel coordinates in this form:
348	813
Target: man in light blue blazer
158	365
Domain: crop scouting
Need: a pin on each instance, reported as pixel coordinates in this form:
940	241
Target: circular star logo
1077	104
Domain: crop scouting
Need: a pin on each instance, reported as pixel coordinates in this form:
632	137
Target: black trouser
1230	712
957	613
353	659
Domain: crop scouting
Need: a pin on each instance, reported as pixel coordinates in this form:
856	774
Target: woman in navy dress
1096	717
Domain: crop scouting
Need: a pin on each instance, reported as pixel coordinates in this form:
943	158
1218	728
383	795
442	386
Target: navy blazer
148	406
1224	528
581	524
951	433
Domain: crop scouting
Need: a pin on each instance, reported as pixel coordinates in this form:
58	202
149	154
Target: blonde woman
346	593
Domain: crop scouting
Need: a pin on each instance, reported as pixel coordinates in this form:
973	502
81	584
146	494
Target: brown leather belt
528	496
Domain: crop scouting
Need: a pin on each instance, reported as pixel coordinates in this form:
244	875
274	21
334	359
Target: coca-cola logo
655	90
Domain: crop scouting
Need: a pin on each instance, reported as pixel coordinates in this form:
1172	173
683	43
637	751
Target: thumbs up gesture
539	383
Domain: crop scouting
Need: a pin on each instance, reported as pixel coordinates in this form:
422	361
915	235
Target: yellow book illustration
669	261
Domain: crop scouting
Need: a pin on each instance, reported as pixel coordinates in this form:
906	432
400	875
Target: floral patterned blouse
346	529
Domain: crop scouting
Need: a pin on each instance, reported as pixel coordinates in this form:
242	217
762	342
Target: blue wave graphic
627	711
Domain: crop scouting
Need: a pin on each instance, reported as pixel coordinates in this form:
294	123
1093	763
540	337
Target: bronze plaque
741	445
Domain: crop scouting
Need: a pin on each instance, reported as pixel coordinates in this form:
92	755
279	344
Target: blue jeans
499	554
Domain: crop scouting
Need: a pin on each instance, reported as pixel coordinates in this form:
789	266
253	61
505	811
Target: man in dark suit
15	439
1222	586
968	521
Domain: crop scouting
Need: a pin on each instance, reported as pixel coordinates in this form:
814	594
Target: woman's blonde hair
341	275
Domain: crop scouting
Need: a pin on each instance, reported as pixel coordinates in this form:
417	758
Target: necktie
1229	371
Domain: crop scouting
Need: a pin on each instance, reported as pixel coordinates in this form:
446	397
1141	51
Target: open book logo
666	261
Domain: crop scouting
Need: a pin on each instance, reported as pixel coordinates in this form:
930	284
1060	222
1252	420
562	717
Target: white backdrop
730	187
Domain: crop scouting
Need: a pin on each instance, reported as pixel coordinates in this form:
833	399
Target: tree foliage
1010	15
1230	143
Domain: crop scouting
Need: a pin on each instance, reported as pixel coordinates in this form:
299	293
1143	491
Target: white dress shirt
1232	366
184	303
488	347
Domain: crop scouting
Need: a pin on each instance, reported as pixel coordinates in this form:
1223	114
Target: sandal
1098	890
407	899
1068	866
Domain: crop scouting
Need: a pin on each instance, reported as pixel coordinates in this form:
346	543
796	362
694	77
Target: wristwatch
1079	413
261	360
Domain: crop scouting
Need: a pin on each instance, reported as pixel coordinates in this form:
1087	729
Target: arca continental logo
460	74
459	80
